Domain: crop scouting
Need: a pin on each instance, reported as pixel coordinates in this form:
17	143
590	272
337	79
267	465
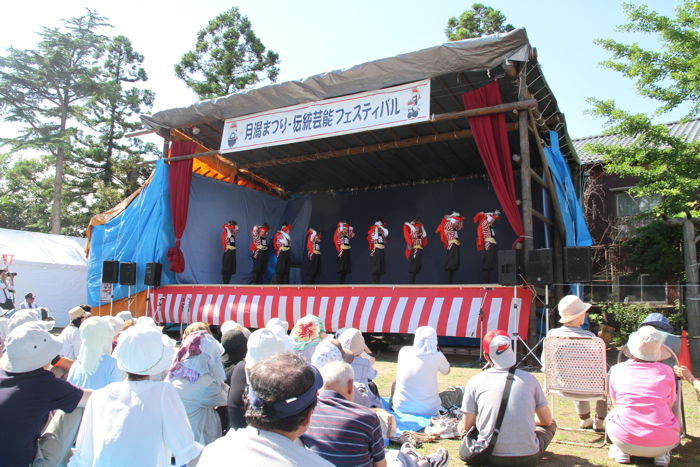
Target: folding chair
678	408
575	368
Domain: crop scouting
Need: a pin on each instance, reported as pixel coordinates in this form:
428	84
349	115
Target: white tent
52	267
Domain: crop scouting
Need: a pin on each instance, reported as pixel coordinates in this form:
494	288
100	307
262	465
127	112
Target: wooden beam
526	184
508	107
369	148
541	217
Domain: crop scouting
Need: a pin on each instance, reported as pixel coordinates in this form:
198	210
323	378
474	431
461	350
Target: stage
451	310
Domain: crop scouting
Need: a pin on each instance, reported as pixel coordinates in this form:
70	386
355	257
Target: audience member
194	327
198	376
684	373
660	323
307	333
29	302
262	344
70	336
417	367
125	315
527	427
341	431
4	330
231	326
280	400
643	390
352	340
235	344
28	316
28	392
572	314
326	352
281	327
95	367
137	421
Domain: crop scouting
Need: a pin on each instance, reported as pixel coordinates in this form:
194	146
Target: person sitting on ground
352	340
417	368
307	333
643	391
235	344
281	327
572	314
125	315
29	302
673	342
527	427
279	402
349	421
28	392
70	336
262	344
137	421
199	378
194	327
328	351
232	325
95	367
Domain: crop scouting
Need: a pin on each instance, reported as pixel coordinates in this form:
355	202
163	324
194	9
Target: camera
12	274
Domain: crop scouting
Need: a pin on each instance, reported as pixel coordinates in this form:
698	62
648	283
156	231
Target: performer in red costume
282	243
313	254
449	229
416	239
343	233
376	239
228	241
486	242
258	246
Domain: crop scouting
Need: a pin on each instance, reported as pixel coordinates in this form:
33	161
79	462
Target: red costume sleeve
407	238
478	219
441	231
336	238
276	243
370	243
223	237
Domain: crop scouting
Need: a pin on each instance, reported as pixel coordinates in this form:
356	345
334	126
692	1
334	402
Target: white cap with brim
29	347
144	350
28	316
647	344
263	344
77	312
571	307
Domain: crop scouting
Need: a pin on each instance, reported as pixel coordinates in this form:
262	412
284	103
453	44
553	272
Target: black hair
277	379
77	321
87	308
232	222
266	225
135	377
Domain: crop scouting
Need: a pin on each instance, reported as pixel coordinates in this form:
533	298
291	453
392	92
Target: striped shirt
343	432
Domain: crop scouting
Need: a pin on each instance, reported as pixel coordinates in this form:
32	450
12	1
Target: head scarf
425	341
96	335
235	344
199	354
307	332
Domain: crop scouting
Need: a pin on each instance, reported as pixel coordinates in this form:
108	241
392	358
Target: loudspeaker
127	273
540	267
577	264
510	267
152	278
110	272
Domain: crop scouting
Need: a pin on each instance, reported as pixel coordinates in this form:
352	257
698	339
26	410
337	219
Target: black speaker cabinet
127	273
540	267
110	272
577	264
152	278
510	267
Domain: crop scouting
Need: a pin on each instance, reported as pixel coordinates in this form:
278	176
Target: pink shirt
643	394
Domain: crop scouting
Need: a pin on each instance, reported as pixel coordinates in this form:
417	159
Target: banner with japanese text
398	105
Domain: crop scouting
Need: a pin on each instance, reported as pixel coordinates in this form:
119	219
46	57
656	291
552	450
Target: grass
687	454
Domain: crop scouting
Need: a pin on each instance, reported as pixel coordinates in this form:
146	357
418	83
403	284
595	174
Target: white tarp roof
35	247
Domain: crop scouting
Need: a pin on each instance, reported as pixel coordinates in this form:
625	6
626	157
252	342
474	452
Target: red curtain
491	138
180	178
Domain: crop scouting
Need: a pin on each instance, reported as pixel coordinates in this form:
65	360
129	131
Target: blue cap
659	321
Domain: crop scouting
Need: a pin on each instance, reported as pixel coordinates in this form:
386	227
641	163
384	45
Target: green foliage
655	249
627	317
227	57
479	21
663	164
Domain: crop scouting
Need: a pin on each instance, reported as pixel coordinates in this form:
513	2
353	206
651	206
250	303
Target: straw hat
29	347
77	312
571	307
647	344
351	339
144	350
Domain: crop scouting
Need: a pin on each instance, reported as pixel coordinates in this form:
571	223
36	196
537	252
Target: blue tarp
577	233
141	233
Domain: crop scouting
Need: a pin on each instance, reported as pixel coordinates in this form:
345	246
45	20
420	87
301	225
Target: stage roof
319	165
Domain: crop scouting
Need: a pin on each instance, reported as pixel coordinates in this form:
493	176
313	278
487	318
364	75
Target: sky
316	36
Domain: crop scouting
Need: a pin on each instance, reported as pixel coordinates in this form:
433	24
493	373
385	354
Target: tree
25	193
662	164
477	22
44	90
227	57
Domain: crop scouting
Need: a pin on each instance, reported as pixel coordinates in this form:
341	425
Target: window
628	205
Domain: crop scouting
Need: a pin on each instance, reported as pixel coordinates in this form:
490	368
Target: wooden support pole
526	185
541	217
508	107
536	177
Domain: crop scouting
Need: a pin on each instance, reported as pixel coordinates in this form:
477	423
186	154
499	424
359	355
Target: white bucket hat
29	347
144	350
28	316
647	344
263	344
125	315
571	307
351	339
278	322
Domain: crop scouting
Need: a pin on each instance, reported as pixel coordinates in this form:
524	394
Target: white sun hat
144	350
29	347
571	307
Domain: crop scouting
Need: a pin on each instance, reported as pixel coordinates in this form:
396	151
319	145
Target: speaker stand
482	360
148	303
128	298
516	334
546	326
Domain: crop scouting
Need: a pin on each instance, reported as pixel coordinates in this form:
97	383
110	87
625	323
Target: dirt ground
687	454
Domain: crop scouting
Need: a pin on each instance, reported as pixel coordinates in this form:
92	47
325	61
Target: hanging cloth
180	178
